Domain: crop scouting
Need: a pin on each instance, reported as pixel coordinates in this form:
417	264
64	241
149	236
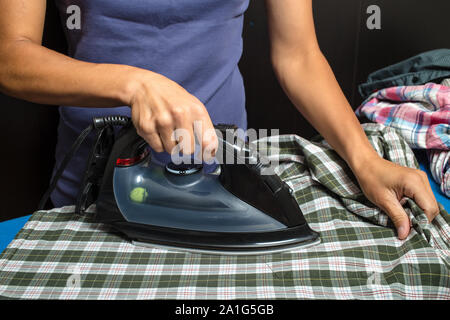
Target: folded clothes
421	115
430	66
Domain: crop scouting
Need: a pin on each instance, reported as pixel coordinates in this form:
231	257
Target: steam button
183	169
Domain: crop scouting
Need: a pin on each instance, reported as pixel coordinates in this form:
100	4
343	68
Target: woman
171	63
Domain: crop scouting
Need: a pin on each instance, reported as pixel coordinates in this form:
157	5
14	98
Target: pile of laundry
413	97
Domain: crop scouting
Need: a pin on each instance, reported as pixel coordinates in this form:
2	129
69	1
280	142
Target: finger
165	128
206	135
135	115
424	179
185	140
210	145
434	210
425	200
395	211
168	141
184	133
145	127
154	142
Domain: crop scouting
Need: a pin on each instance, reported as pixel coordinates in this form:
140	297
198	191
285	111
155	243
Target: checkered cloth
421	114
65	256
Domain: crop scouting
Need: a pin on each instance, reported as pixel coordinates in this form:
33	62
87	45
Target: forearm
31	72
311	86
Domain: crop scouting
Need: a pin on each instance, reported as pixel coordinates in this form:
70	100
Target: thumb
397	214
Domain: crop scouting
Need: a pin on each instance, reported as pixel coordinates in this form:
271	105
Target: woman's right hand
159	106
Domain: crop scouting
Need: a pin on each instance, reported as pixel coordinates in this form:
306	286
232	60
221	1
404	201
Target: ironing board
8	229
60	255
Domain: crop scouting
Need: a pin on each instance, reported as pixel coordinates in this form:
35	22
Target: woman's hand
159	106
385	184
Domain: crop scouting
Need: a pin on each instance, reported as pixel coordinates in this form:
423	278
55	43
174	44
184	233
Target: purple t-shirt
196	43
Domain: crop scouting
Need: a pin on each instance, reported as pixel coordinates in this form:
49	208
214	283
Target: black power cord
98	123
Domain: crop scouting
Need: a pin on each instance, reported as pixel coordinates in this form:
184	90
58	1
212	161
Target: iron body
238	210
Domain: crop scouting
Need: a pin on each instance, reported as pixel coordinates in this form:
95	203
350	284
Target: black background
408	27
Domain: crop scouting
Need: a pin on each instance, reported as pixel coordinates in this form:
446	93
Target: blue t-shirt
196	43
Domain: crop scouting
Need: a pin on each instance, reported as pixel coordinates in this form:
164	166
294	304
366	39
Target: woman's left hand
385	184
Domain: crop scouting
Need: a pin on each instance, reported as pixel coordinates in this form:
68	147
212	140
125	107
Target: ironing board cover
60	255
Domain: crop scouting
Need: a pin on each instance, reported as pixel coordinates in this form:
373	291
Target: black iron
265	192
245	209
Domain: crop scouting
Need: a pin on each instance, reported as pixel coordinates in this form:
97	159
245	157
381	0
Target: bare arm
308	80
32	72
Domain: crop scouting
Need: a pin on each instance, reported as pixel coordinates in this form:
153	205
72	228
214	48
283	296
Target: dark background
408	27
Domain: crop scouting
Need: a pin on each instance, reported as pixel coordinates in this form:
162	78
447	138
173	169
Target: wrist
362	159
131	83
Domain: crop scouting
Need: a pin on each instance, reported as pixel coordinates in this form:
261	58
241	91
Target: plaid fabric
440	169
421	114
61	255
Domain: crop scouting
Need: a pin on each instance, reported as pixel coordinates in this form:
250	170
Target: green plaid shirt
60	255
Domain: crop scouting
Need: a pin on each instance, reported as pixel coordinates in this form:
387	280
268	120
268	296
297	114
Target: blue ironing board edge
440	197
424	165
9	229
